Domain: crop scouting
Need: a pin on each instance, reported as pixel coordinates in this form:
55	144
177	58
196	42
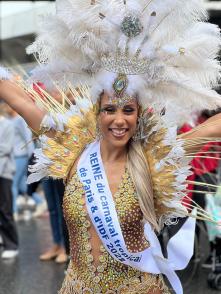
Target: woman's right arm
17	99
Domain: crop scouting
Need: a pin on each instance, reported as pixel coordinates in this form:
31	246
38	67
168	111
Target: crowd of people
22	201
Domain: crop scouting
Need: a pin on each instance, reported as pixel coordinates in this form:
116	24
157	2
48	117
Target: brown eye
128	110
108	110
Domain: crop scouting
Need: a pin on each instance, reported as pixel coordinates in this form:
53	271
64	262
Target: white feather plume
181	47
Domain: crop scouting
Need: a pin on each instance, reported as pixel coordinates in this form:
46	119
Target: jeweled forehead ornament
131	27
120	85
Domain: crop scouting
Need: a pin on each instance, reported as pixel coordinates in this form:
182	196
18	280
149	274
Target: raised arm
16	97
197	137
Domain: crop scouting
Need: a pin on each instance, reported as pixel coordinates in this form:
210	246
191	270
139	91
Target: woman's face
117	124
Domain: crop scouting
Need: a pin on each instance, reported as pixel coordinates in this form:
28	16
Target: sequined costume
95	271
129	50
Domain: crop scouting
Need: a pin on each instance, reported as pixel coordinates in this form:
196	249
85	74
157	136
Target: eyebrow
130	105
108	105
114	105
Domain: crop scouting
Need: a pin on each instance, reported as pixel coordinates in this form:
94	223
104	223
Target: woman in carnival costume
134	67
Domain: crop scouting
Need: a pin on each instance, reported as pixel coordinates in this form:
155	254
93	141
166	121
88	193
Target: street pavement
28	275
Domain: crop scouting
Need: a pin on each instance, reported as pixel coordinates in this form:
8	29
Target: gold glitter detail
107	275
66	146
182	51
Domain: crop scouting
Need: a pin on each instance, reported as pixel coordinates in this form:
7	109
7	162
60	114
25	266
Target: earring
98	132
137	135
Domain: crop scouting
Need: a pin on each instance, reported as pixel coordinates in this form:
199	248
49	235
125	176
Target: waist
110	281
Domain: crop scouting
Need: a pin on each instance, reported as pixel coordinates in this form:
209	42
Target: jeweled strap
101	209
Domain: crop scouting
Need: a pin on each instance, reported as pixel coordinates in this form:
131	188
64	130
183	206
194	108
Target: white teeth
118	132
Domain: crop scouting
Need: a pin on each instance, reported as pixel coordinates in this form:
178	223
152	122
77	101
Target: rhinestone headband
122	63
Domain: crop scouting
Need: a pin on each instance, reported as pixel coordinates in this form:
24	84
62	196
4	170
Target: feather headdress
166	49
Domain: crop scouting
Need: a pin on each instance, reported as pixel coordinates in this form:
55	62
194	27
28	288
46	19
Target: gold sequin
109	276
100	269
102	258
90	258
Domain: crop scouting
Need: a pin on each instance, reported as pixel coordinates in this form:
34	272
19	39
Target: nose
119	118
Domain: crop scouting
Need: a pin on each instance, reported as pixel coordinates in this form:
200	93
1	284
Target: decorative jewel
93	268
97	288
67	152
102	249
90	258
88	247
122	101
120	84
75	138
102	258
59	167
87	291
100	269
131	26
137	135
98	132
81	201
87	224
96	279
129	65
182	51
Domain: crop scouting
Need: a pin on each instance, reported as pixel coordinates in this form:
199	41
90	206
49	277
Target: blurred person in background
8	230
35	200
204	171
54	192
23	149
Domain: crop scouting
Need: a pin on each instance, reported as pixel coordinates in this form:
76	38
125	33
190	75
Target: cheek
104	122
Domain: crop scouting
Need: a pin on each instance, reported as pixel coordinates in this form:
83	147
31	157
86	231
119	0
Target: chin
118	142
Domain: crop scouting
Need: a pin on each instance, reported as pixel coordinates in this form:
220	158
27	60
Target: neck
111	153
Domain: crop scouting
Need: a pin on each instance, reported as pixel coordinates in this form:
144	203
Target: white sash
101	209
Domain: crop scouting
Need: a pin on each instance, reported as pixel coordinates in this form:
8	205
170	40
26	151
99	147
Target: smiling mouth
118	132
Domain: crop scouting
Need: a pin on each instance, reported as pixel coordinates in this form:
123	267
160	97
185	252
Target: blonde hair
138	168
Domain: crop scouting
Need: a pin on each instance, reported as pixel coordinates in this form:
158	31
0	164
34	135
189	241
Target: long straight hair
139	170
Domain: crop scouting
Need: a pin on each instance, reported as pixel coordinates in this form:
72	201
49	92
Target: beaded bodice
91	267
